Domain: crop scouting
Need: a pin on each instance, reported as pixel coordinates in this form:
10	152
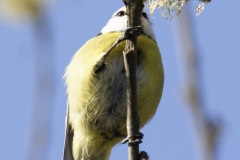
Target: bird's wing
67	152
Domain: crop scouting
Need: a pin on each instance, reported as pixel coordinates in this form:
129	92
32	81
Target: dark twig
143	155
134	10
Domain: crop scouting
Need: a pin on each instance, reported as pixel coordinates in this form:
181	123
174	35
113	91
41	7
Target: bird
96	89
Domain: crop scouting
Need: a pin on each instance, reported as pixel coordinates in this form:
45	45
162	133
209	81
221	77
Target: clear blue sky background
168	136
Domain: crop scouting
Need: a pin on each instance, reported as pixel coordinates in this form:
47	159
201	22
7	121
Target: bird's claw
130	30
137	139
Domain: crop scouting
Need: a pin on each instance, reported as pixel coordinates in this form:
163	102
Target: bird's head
118	23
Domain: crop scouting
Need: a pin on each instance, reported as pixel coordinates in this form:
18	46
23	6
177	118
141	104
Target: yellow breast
97	98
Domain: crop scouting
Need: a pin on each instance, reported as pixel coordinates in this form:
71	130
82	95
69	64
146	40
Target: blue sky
168	136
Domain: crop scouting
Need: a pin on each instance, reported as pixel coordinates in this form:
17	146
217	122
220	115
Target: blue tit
96	88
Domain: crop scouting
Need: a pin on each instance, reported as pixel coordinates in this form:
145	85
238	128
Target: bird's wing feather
67	152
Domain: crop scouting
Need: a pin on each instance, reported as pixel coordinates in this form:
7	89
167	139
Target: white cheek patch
115	24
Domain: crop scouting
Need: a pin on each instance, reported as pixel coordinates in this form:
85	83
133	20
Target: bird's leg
129	30
120	135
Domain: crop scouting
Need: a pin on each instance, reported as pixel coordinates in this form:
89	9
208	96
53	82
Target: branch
134	10
44	91
206	131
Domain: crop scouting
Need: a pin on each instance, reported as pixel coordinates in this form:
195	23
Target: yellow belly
97	99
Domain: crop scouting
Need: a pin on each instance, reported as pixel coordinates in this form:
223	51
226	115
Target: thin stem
134	10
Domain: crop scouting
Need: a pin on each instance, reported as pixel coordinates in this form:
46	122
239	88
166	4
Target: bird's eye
121	13
144	15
